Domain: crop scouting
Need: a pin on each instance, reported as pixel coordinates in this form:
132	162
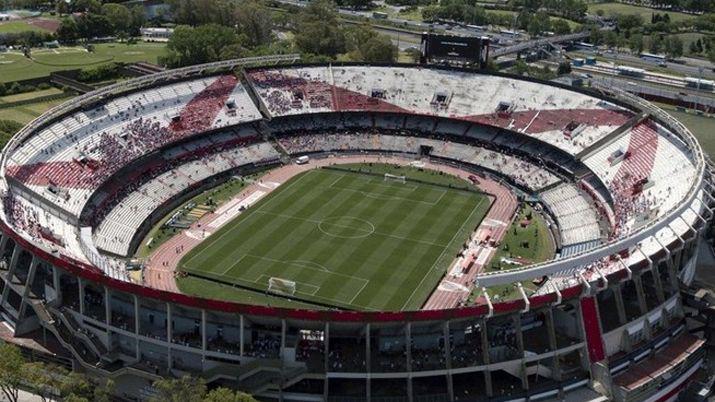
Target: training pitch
347	239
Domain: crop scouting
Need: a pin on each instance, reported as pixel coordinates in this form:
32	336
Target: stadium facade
627	189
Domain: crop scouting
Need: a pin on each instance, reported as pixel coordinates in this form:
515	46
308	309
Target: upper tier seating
647	172
66	161
564	118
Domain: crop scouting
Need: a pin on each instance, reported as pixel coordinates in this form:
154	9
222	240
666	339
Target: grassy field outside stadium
14	66
627	9
347	239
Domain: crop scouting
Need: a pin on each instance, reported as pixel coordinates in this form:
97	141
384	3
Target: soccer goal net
392	177
281	286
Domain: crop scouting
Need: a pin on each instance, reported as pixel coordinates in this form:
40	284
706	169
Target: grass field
219	195
572	24
701	126
25	113
644	12
18	26
15	66
536	234
348	239
541	248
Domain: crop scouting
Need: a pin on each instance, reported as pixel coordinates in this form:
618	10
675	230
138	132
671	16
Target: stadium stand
627	186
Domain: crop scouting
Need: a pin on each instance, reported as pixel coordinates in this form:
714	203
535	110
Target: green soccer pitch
346	239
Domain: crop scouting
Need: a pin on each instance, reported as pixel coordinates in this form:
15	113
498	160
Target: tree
673	46
693	48
635	43
656	44
203	44
595	36
184	389
43	380
564	68
366	44
12	374
319	31
227	395
538	23
355	4
67	31
611	39
138	19
254	21
629	21
93	26
62	7
90	6
560	27
711	54
118	16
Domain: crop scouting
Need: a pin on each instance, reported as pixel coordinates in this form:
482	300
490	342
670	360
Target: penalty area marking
302	264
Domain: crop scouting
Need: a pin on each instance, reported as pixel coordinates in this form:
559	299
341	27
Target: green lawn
347	239
14	66
393	12
701	126
644	12
29	95
536	235
18	26
572	24
540	249
24	114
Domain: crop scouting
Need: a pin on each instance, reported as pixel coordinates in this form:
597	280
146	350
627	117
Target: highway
692	68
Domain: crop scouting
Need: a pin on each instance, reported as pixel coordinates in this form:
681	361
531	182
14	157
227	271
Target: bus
657	58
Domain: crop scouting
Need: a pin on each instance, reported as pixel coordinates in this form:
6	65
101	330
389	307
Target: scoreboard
438	47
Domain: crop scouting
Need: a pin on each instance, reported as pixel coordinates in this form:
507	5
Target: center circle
346	227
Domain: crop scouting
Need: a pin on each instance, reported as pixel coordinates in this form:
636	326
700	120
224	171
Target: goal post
281	286
393	177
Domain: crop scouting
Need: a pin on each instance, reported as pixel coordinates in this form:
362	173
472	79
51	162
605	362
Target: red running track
493	228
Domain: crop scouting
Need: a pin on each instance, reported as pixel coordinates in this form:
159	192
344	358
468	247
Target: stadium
366	253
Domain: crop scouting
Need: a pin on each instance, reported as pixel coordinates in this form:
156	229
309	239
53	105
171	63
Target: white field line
441	254
350	227
250	213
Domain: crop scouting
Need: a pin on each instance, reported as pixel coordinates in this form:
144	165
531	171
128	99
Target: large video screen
438	46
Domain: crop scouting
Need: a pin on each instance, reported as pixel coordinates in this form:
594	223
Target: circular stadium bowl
624	187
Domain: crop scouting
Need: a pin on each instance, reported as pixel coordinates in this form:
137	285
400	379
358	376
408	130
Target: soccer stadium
352	232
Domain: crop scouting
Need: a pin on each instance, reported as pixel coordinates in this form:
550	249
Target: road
415	25
692	67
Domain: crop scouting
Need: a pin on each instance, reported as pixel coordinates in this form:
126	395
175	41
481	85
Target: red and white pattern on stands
627	185
141	136
284	95
453	290
540	121
536	109
199	114
40	226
